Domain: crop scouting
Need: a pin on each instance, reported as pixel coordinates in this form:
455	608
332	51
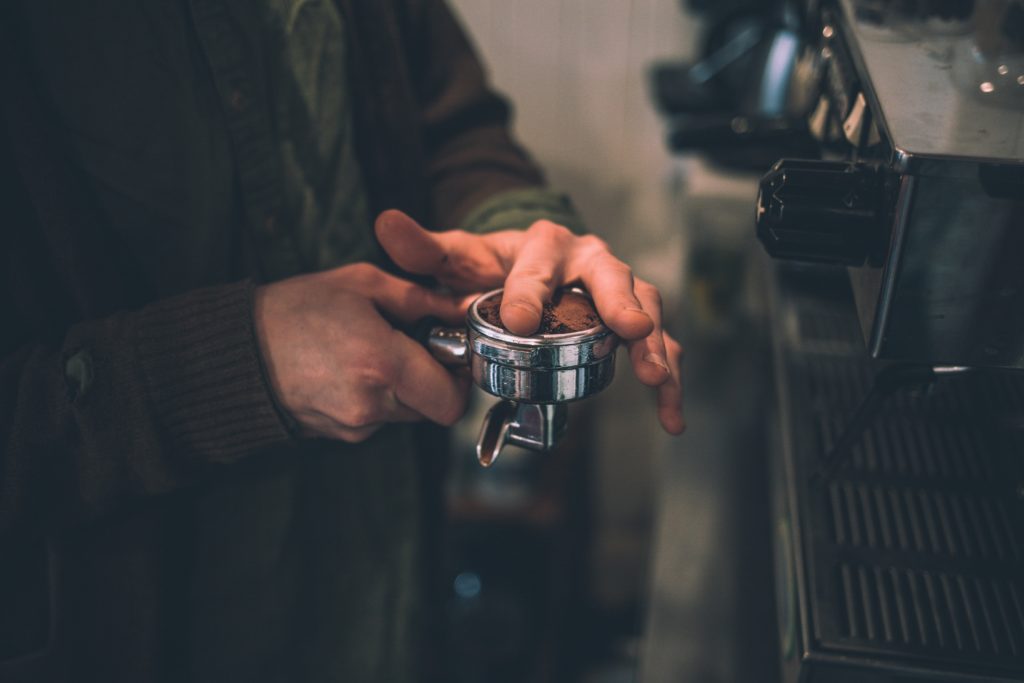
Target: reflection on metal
912	77
450	346
944	285
779	67
887	382
853	125
535	376
953	289
538	427
908	556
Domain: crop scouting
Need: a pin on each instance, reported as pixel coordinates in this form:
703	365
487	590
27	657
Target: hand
530	264
339	368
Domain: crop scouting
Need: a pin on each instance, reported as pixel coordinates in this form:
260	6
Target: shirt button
270	225
237	99
78	373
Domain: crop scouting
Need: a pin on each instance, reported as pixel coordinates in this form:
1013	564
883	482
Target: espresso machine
898	329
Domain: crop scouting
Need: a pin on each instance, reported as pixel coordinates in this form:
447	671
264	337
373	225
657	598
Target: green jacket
158	520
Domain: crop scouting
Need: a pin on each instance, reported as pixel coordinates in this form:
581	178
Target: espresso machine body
898	481
934	243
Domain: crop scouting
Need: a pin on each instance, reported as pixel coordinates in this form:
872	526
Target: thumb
410	246
407	301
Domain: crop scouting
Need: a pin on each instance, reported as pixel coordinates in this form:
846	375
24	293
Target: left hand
530	264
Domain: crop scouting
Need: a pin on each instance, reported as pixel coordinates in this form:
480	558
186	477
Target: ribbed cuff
201	362
518	209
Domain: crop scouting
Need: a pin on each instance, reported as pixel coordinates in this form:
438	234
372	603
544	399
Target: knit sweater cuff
201	362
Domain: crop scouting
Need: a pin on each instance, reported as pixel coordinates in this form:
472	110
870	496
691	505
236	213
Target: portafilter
535	376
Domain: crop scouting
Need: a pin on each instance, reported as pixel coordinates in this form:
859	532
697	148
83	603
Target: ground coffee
566	312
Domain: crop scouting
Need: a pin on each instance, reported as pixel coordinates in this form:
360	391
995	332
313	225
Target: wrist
200	361
267	363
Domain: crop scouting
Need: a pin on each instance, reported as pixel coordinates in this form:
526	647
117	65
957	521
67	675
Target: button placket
258	170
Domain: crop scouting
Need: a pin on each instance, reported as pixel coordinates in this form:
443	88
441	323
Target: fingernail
656	359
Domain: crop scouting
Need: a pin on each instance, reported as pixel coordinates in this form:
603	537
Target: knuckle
616	267
358	435
378	373
548	229
674	347
593	244
528	274
608	262
459	235
654	295
362	273
360	415
359	269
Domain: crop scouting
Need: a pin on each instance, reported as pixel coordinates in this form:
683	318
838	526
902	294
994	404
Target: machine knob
822	211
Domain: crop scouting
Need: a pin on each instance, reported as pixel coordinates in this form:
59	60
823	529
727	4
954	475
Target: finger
670	392
426	387
648	355
410	246
404	300
610	282
459	259
537	271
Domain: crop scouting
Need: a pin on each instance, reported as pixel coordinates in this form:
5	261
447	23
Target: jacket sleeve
131	405
479	177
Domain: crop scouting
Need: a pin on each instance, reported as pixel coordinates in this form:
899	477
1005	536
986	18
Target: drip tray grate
914	551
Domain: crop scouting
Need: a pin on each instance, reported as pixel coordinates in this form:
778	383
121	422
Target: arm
482	182
480	178
131	405
141	403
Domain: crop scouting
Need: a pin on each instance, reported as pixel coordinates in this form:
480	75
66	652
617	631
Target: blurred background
627	550
848	501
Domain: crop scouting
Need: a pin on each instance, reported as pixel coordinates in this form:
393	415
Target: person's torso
218	144
218	140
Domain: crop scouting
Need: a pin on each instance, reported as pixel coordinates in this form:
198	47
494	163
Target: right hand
342	370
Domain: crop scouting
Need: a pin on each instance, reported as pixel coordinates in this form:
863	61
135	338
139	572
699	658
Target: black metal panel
913	553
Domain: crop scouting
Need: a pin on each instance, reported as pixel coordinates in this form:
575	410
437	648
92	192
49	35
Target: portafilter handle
448	345
534	426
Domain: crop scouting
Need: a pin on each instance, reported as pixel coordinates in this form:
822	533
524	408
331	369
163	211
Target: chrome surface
542	385
450	346
950	290
543	368
539	351
926	108
926	462
535	376
529	425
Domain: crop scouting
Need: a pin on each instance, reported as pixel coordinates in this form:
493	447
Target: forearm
480	178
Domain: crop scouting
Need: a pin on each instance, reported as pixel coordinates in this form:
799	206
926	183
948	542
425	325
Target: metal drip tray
908	563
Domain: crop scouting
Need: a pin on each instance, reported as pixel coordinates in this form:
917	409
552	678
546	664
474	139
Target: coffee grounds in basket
566	312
